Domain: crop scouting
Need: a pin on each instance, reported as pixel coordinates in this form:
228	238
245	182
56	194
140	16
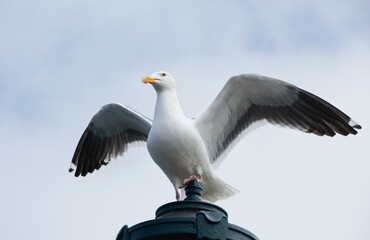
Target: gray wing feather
249	98
108	135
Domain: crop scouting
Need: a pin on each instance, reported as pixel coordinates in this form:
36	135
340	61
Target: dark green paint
188	219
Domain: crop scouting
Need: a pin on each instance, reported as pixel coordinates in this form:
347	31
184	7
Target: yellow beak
148	79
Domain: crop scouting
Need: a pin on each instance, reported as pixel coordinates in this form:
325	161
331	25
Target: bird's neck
167	106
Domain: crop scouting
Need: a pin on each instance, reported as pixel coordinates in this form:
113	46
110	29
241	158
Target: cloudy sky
60	61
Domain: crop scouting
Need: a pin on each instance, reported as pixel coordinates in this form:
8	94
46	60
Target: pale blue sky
60	61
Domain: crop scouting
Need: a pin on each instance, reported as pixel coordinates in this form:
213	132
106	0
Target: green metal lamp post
188	219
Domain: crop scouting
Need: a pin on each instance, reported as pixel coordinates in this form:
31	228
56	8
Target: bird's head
160	80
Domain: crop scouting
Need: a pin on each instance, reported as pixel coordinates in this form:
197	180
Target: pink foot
191	178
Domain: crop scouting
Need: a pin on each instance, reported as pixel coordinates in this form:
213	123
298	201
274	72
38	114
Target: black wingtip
72	167
354	124
357	126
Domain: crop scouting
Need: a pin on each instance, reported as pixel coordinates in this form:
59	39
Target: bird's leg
191	178
178	195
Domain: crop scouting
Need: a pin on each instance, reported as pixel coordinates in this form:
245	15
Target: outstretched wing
249	98
108	135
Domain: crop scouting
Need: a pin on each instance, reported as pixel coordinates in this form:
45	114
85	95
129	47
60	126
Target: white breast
177	148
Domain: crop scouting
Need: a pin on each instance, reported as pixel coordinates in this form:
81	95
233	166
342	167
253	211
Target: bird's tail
215	189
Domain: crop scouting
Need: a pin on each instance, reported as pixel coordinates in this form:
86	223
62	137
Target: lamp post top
191	218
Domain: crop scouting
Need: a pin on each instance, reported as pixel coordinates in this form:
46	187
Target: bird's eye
163	74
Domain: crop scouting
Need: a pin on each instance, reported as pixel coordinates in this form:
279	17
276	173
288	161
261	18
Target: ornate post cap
188	219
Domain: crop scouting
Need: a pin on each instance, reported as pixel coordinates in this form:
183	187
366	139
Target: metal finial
193	191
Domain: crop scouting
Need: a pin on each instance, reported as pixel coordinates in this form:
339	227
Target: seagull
189	148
